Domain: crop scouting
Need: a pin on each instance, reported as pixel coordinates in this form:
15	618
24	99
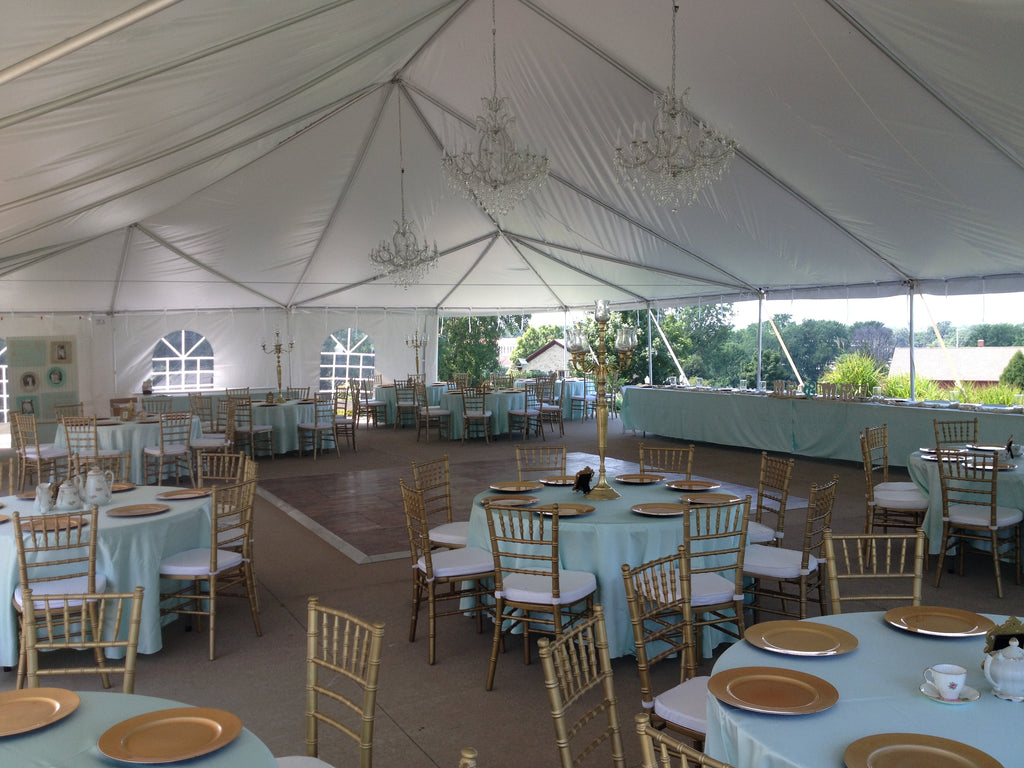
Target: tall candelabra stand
417	342
625	343
276	351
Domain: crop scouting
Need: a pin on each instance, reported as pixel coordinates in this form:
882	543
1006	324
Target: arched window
4	402
182	362
345	354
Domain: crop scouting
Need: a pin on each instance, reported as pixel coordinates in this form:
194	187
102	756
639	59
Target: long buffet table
826	429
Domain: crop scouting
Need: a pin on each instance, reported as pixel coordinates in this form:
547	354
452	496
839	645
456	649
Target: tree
874	339
534	338
994	335
471	344
1013	374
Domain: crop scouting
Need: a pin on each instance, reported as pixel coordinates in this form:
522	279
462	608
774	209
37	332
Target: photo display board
42	372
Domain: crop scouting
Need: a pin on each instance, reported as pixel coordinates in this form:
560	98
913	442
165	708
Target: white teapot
67	496
1004	669
44	501
97	486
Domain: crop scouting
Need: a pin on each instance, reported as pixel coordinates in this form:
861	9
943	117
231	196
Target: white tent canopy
238	155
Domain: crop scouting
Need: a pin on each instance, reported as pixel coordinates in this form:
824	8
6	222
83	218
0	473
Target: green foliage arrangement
1013	375
855	368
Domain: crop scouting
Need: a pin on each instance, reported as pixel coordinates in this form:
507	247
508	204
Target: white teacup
947	679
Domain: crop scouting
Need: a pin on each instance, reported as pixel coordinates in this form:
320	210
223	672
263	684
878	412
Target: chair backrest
343	654
462	379
716	539
969	480
658	749
8	477
546	459
119	465
83	622
160	404
523	542
420	546
433	478
56	546
243	413
956	432
532	396
420	395
203	407
578	677
237	392
773	491
297	393
23	430
473	399
231	520
175	429
874	449
80	435
68	409
819	519
324	408
405	393
216	468
658	598
678	460
546	391
875	567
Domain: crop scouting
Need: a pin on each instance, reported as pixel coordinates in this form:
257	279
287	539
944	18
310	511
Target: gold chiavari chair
371	407
584	403
202	406
217	468
428	416
658	749
254	437
81	437
8	477
578	677
217	441
881	567
540	460
955	433
343	654
889	504
676	460
528	418
405	404
766	524
297	393
157	405
35	460
346	415
548	405
433	478
174	453
119	465
68	409
476	419
321	430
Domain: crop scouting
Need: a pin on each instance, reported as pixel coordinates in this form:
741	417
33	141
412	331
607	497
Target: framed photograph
60	351
28	405
55	377
29	381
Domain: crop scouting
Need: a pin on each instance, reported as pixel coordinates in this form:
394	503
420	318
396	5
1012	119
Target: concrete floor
427	713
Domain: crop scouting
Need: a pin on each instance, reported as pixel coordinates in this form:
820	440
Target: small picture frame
998	637
60	352
29	381
28	406
55	377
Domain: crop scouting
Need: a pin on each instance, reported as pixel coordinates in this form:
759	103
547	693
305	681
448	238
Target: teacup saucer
967	694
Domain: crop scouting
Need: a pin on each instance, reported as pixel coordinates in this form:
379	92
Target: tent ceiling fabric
236	154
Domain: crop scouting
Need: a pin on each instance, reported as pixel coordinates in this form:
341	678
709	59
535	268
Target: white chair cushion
775	562
978	517
451	534
898	487
435	412
478	414
210	442
325	425
168	450
759	533
536	588
710	589
459	562
72	586
196	562
301	761
343	420
685	704
901	499
46	451
258	429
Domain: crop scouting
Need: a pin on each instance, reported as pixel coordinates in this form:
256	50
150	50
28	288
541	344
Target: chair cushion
459	562
759	533
914	499
685	704
478	414
211	442
321	425
711	589
978	517
196	562
168	450
72	586
435	412
451	534
536	588
898	487
46	451
775	562
301	761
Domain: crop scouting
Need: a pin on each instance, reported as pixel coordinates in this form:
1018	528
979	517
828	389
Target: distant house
980	365
550	357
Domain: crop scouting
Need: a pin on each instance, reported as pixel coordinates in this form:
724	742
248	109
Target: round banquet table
878	684
131	436
386	393
72	741
1009	490
601	541
128	552
498	403
285	419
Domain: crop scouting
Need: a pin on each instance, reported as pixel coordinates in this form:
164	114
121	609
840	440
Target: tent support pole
760	337
910	345
650	349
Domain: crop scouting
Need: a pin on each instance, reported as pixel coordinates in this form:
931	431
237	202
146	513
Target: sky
959	310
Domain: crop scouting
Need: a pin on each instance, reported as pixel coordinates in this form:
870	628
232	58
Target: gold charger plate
558	480
66	522
659	509
184	493
800	638
170	735
517	486
692	485
108	423
640	479
773	691
4	518
710	498
512	501
27	495
138	510
914	750
938	621
565	510
30	708
121	487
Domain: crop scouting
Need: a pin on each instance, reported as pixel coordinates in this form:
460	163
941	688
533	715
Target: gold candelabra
276	350
417	342
579	348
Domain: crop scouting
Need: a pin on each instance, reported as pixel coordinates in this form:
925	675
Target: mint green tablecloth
878	686
72	741
827	429
387	394
498	403
132	436
128	551
600	542
285	419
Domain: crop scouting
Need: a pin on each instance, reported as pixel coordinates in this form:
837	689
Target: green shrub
857	369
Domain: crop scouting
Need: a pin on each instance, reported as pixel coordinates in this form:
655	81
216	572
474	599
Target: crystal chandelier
403	258
499	175
684	156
